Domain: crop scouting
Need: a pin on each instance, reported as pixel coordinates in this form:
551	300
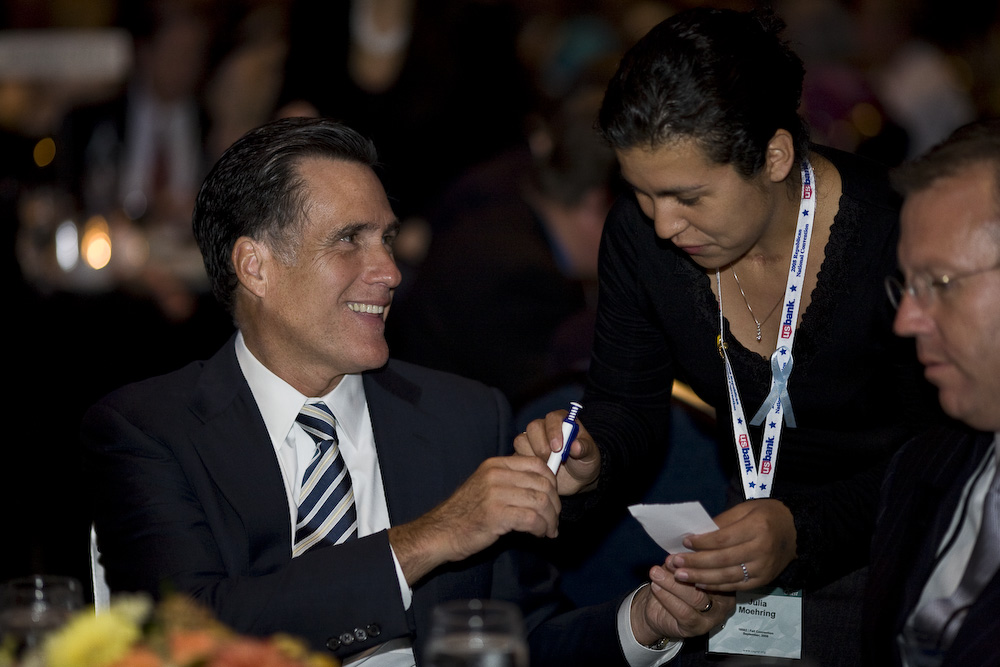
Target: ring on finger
746	575
708	607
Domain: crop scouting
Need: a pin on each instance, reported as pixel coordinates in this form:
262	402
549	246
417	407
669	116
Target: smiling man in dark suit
298	481
934	585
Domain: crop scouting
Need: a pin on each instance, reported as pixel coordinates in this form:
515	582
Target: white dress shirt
279	404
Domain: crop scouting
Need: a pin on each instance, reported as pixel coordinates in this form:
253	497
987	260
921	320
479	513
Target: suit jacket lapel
933	505
234	446
935	493
976	641
405	438
411	443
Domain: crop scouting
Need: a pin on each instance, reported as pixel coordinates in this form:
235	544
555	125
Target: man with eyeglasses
934	588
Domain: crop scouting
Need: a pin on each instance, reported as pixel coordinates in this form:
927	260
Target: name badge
767	622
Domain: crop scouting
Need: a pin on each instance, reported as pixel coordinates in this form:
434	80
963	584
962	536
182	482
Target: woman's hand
544	436
754	543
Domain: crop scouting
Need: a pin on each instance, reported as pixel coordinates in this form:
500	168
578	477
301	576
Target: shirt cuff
404	589
635	653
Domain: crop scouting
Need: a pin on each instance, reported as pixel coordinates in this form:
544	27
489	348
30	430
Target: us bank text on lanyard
777	407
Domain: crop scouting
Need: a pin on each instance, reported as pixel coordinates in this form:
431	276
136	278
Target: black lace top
857	389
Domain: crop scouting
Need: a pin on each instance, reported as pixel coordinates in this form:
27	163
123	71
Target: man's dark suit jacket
921	492
189	496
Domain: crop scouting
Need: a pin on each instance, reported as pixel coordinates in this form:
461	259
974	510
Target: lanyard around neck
777	407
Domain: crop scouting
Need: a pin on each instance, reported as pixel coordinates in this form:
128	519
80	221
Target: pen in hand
569	430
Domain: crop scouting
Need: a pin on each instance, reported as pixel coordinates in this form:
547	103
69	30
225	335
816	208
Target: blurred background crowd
111	112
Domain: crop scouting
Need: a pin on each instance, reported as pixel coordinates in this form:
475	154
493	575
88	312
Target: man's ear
249	258
780	156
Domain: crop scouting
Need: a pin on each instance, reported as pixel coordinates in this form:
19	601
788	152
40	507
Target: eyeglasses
925	289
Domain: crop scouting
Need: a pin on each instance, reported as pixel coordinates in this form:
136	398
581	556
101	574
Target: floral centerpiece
176	633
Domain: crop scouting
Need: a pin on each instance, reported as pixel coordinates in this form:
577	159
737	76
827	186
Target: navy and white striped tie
326	511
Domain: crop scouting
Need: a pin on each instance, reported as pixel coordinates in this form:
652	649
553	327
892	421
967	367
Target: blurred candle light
45	152
96	245
867	119
67	245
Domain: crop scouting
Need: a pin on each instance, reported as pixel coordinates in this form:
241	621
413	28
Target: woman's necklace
747	302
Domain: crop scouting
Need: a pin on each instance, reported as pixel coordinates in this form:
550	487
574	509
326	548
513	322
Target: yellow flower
91	641
296	649
321	660
290	646
134	607
178	633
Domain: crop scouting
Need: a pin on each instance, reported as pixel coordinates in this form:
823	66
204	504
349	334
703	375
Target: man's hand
669	608
756	534
505	494
544	436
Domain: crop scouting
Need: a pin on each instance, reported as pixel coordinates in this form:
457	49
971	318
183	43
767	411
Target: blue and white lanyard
777	407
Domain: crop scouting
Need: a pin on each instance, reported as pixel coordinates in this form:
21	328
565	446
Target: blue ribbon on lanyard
779	389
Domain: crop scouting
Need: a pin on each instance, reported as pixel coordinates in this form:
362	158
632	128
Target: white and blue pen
569	430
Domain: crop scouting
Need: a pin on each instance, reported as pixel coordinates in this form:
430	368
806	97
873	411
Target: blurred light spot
867	119
45	152
67	245
96	245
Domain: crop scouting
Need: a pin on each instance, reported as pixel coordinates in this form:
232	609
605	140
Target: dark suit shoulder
202	386
919	498
417	383
932	454
405	400
159	390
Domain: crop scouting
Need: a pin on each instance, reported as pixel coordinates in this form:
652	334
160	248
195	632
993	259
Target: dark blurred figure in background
435	84
919	86
94	327
513	256
244	85
889	78
138	158
142	151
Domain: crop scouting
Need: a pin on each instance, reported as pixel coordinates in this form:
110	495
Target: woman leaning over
747	258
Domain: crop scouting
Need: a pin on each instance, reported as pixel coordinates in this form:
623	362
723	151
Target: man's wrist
642	633
660	644
636	653
415	549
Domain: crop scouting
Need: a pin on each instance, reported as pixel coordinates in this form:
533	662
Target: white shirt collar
348	403
279	403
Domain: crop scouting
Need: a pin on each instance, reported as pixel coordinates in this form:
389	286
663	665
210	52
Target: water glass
32	607
477	633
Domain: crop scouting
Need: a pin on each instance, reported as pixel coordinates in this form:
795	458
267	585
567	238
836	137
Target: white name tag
767	622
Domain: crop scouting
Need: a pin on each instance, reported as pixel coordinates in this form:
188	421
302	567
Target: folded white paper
668	525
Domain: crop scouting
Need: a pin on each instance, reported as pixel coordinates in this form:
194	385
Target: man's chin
373	359
961	406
